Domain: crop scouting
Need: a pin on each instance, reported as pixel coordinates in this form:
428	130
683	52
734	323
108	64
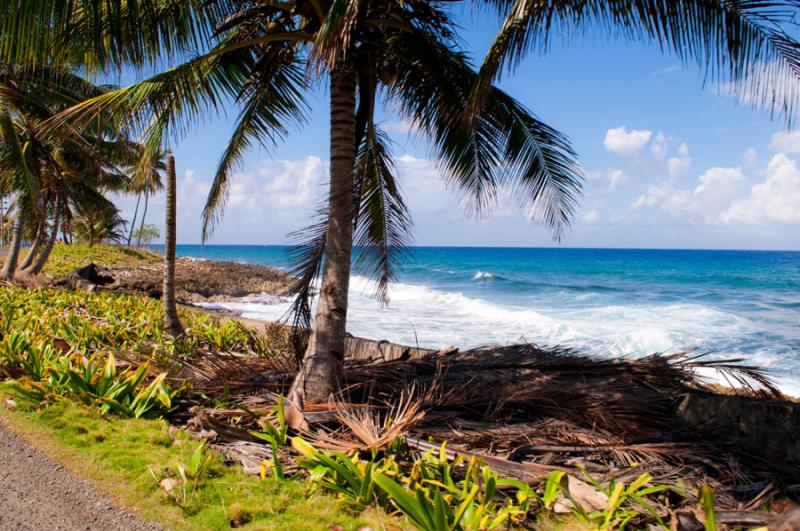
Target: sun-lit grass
65	258
117	454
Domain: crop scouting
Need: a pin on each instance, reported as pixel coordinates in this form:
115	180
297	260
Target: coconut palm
56	169
100	224
259	60
146	182
404	52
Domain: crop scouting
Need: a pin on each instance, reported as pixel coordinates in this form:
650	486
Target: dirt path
37	493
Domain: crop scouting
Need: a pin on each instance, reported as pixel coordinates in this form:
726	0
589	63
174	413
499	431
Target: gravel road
39	494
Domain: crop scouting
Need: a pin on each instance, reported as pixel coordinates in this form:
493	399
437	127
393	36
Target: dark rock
88	277
767	428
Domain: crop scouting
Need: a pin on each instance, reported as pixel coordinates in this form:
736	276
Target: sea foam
433	318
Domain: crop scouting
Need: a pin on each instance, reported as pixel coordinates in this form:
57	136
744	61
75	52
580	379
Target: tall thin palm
172	323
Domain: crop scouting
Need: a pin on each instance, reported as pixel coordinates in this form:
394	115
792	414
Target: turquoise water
618	302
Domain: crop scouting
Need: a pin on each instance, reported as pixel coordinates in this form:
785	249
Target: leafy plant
349	476
624	502
94	381
706	497
277	437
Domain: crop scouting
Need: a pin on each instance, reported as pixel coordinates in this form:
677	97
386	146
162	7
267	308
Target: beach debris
525	411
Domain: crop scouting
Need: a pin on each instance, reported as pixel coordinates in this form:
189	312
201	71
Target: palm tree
145	182
406	52
100	224
56	169
172	323
259	60
15	170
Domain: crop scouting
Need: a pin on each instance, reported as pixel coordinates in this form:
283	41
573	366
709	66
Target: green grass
117	454
65	258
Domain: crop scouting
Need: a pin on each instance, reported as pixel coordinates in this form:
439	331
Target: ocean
607	302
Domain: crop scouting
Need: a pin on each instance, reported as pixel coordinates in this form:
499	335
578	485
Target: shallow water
605	301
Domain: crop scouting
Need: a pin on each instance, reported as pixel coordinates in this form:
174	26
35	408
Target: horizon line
726	249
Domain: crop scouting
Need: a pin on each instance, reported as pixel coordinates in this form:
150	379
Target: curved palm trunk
37	242
13	253
321	373
171	322
133	221
48	248
144	215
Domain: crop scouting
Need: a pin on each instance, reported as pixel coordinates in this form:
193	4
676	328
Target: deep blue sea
612	302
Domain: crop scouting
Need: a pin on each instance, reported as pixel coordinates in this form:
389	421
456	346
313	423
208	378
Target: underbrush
127	325
88	368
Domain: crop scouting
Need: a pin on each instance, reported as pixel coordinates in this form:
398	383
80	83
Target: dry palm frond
370	429
240	372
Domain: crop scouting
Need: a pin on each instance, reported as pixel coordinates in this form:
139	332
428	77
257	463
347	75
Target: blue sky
670	163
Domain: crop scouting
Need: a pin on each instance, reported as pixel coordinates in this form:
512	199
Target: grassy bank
127	459
65	258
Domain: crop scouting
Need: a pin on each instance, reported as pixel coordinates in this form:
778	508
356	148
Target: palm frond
14	162
748	43
383	223
306	259
505	146
271	101
97	35
333	38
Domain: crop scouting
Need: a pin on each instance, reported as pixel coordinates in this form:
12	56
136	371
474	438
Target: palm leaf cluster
59	177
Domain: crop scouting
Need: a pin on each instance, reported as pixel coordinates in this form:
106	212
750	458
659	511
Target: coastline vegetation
267	58
78	364
91	368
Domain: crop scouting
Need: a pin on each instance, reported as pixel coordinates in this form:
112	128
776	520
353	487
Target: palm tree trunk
321	373
171	322
144	215
133	221
13	252
48	248
37	242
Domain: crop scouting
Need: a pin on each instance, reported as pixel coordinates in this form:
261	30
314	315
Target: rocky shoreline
196	280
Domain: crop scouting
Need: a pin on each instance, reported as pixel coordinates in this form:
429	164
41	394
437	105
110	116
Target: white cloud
400	127
773	201
660	145
786	142
292	184
590	216
681	163
715	190
750	157
614	176
719	180
622	142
